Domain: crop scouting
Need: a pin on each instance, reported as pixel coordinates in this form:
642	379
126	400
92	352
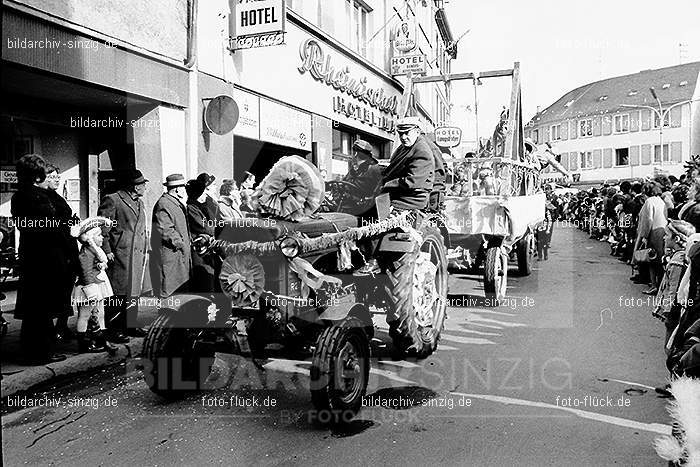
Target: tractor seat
267	229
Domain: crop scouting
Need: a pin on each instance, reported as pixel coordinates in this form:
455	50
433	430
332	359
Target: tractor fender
341	312
192	310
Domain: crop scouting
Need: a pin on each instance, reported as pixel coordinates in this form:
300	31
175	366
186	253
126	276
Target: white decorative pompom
668	448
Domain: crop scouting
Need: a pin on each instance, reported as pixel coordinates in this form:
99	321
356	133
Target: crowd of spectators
651	225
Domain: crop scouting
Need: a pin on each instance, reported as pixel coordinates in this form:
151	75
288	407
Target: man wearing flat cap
366	174
170	241
126	245
411	172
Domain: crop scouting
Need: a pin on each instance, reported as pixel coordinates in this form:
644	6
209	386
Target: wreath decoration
242	278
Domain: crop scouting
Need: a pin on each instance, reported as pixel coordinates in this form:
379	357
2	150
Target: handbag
645	255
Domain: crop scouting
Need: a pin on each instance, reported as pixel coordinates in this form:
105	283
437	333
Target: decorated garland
328	240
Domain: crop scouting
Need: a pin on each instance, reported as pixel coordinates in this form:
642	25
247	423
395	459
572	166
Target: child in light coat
93	286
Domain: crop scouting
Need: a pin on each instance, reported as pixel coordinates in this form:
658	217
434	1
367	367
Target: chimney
538	109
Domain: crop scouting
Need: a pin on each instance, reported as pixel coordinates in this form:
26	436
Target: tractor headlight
290	247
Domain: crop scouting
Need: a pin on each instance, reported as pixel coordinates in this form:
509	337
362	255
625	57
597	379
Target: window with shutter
646	119
676	151
565	130
634	121
596	126
607	125
646	154
607	158
597	158
634	155
573	161
573	128
676	116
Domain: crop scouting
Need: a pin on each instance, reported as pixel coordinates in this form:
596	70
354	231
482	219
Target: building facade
613	129
330	83
96	87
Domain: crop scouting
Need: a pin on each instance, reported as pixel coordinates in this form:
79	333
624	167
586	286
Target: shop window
585	127
622	123
622	156
660	157
13	149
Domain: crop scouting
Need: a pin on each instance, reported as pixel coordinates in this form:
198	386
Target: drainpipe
191	33
193	114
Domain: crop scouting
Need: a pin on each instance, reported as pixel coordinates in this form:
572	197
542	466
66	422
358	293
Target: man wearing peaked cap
170	240
126	246
410	175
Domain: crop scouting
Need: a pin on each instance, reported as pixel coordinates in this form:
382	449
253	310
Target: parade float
287	290
496	199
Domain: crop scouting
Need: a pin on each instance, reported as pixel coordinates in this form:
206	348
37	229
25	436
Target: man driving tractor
410	176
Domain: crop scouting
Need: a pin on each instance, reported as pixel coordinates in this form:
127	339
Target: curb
31	377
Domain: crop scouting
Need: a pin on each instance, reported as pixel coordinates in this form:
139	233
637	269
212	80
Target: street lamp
660	113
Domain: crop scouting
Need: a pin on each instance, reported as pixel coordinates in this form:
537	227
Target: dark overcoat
47	254
410	175
170	244
127	239
203	268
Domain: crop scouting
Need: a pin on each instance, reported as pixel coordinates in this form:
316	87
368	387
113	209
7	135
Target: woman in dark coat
203	268
46	268
67	218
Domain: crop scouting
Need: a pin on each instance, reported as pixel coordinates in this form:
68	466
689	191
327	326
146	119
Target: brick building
607	130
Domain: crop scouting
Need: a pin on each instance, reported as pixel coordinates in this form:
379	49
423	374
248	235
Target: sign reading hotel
405	64
259	23
356	99
405	37
448	136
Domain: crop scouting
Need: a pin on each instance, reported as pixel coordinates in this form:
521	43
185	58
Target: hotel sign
448	136
258	23
259	17
404	64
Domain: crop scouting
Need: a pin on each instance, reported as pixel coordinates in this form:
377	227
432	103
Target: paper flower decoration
242	278
291	191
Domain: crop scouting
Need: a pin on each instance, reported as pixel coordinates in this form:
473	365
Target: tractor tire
526	254
414	335
495	275
176	367
337	395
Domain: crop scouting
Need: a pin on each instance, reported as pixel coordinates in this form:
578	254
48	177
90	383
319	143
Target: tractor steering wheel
339	191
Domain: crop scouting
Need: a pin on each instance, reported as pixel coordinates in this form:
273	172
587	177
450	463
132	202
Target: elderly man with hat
366	174
411	172
170	240
126	246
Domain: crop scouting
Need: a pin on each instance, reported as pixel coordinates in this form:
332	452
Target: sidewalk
17	377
